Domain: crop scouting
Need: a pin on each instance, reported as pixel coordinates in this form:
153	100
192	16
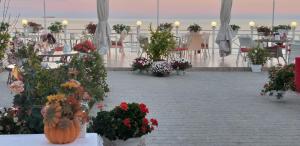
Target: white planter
234	33
83	130
256	68
130	142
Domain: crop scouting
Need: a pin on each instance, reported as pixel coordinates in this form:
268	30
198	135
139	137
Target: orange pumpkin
57	135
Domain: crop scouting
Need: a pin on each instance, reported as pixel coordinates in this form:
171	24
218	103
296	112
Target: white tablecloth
91	139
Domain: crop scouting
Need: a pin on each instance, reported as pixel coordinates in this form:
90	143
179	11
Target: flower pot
83	127
256	68
130	142
57	135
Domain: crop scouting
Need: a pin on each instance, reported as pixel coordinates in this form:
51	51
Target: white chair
194	42
205	44
246	43
119	43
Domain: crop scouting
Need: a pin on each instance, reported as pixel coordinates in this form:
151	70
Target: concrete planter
256	68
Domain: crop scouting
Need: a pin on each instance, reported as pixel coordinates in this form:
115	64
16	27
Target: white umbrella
102	38
224	38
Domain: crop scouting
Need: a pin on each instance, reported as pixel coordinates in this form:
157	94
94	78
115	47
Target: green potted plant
91	28
125	125
34	27
264	30
165	27
119	28
281	79
281	28
258	57
235	29
194	28
160	44
4	38
56	27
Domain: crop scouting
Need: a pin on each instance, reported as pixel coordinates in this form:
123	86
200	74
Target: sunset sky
288	9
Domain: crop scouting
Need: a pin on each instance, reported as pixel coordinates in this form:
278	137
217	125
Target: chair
119	43
295	52
194	42
181	47
144	44
205	44
246	43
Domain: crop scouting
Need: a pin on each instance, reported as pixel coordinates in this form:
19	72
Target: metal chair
246	43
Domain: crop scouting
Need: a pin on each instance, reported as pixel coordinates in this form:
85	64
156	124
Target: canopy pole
45	21
273	17
157	17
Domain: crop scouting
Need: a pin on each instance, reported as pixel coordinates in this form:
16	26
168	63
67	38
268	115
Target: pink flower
100	106
17	87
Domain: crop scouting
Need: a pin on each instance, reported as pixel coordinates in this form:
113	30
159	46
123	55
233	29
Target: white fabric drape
224	38
102	37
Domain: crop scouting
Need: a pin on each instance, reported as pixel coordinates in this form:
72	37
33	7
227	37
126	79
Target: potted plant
258	57
180	64
56	27
125	125
281	28
235	29
194	28
119	28
264	30
85	47
63	113
161	42
141	64
34	27
4	38
161	68
165	27
91	28
281	79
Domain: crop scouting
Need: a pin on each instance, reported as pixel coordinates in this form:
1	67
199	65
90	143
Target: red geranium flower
126	122
145	121
144	108
124	106
154	122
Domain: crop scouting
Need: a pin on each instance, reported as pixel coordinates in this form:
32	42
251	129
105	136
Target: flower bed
141	64
124	122
181	64
161	68
281	79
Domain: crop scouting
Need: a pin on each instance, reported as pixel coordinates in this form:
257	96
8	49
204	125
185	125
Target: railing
131	40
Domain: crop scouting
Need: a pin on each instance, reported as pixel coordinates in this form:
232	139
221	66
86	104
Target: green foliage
110	124
35	27
258	56
265	30
92	74
281	78
165	27
119	28
161	42
4	38
235	27
194	28
285	27
56	27
40	82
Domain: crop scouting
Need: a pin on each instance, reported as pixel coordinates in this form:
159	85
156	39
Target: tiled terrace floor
205	108
210	109
213	60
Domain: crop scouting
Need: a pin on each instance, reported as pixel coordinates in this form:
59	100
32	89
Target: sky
247	9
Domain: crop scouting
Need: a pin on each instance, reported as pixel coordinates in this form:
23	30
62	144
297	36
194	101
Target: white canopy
102	38
224	38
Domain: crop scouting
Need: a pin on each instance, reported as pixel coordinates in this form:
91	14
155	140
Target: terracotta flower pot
59	135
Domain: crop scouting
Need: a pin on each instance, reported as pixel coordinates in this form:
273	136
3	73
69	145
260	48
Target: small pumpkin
63	134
